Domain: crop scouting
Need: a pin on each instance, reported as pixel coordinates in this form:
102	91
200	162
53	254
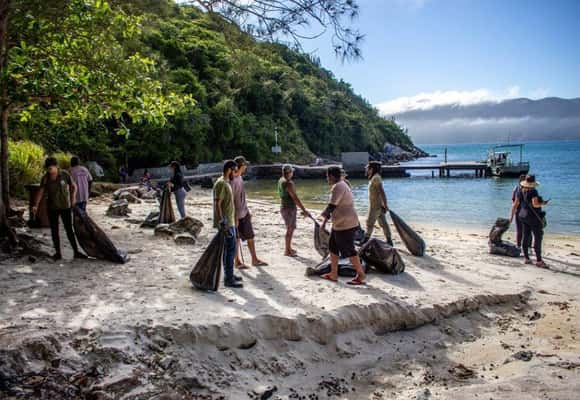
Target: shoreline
139	331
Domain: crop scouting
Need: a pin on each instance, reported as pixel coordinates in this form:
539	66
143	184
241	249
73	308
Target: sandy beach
458	324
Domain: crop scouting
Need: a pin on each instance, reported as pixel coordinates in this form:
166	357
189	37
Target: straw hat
530	182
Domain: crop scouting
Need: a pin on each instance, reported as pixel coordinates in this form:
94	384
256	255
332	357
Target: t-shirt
81	177
241	206
527	212
177	181
344	215
57	191
286	201
223	191
375	196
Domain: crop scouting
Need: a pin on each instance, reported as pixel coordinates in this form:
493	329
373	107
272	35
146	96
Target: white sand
287	329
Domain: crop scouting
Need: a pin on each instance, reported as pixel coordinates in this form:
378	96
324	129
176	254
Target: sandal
328	277
541	264
242	266
260	264
356	282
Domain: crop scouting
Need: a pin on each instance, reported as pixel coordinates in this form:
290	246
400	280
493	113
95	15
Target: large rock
151	221
118	208
130	197
184	231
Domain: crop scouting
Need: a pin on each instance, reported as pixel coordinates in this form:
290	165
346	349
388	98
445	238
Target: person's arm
218	208
537	203
385	205
292	193
39	197
515	205
327	213
73	192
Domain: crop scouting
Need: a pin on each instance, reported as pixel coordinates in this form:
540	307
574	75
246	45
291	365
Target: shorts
245	228
289	217
342	242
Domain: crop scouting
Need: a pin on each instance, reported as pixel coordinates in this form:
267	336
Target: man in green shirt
378	205
60	192
224	218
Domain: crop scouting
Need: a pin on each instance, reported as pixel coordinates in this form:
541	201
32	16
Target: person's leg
229	255
334	266
519	233
371	220
66	216
538	232
386	230
360	273
289	234
53	220
180	201
526	240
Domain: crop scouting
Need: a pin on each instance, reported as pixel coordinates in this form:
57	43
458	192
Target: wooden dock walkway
480	169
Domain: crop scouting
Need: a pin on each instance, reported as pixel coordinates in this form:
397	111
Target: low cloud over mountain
449	117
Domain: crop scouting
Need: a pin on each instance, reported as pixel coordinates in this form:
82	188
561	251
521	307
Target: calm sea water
463	200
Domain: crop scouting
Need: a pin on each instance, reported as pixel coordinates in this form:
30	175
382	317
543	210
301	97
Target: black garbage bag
496	244
166	213
345	268
382	257
94	241
205	275
414	243
321	240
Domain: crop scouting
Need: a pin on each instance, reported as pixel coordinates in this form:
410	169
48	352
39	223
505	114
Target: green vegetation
185	85
26	164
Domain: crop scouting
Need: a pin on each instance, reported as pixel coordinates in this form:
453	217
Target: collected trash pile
375	254
497	245
129	195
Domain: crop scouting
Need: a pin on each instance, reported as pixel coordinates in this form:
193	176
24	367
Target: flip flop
356	282
242	266
328	278
260	264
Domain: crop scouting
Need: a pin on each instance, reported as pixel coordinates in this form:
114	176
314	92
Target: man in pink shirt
244	227
83	179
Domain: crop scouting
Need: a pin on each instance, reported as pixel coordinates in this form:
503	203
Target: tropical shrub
26	163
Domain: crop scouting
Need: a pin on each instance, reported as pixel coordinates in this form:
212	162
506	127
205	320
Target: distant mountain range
522	119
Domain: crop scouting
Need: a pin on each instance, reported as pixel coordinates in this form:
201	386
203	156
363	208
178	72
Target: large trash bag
496	244
166	213
94	241
345	268
382	257
412	240
205	275
321	240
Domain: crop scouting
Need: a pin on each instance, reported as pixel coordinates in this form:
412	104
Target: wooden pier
479	169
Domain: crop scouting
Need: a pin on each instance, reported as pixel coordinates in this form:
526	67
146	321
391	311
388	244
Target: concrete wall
165	172
355	161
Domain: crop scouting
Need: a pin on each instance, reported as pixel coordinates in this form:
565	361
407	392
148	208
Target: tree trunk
5	230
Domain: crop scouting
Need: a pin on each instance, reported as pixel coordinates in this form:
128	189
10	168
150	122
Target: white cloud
428	100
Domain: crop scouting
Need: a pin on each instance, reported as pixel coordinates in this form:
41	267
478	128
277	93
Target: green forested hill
243	91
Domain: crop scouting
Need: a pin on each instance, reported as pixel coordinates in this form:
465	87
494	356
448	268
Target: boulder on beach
151	220
130	197
184	231
118	208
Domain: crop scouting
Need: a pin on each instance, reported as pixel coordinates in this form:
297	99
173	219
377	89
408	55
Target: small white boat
499	161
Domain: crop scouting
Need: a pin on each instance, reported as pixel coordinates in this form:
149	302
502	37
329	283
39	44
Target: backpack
382	257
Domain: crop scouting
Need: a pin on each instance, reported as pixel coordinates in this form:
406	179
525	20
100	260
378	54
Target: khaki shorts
289	216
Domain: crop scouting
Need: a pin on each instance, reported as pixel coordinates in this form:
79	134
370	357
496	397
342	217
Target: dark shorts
342	242
289	216
245	228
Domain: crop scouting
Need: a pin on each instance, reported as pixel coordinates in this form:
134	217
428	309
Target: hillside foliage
242	90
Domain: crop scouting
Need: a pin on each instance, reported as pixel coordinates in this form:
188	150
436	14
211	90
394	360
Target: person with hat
378	205
244	227
224	216
177	187
528	205
519	229
289	202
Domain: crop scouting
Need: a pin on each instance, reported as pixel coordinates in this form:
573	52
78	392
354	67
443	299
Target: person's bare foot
241	266
259	263
291	253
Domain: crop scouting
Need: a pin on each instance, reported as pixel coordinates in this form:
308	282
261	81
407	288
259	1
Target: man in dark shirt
60	192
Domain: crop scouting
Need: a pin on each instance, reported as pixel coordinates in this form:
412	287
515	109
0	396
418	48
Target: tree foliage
213	91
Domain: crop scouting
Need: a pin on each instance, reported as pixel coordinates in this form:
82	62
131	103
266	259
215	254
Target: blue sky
462	49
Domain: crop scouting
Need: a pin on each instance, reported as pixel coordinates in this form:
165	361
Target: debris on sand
524	355
460	371
118	208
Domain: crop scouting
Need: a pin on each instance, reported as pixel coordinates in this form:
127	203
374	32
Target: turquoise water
464	200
